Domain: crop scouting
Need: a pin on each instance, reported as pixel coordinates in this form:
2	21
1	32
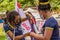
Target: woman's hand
36	36
32	33
27	34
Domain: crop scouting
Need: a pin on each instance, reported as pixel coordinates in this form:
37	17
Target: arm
47	34
23	19
27	14
16	37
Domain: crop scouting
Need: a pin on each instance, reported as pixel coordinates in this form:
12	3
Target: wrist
32	34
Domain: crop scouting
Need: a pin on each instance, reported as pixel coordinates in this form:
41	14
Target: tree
55	4
6	5
26	3
10	4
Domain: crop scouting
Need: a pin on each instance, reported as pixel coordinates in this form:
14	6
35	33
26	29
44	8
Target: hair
12	15
44	7
5	19
43	0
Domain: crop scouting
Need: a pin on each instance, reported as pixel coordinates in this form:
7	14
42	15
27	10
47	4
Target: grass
2	34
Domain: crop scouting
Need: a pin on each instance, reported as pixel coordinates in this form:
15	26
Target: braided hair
44	5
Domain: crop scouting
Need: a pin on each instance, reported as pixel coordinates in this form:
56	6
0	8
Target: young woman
13	28
50	29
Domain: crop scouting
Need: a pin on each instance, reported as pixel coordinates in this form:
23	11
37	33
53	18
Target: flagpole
15	4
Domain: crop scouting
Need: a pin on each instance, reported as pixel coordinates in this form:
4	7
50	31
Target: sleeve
6	28
50	25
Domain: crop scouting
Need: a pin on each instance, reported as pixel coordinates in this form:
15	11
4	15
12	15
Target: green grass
2	34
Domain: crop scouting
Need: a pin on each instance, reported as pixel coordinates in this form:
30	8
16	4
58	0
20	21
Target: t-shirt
18	30
52	23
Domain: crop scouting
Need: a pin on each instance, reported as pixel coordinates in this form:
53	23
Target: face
43	14
17	19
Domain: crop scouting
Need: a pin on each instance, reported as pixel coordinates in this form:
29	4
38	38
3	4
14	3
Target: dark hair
7	11
44	7
43	0
5	19
11	16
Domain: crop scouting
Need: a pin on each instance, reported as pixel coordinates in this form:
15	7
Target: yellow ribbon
43	3
10	25
49	28
8	31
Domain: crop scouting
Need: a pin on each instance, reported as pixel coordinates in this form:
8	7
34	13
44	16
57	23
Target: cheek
41	13
17	18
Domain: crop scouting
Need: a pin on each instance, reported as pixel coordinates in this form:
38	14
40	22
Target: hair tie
44	3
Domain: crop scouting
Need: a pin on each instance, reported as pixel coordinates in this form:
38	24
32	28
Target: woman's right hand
32	33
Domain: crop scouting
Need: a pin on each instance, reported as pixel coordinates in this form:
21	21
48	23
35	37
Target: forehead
44	11
17	16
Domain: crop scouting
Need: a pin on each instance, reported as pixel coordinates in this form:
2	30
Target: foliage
55	4
10	4
6	5
2	34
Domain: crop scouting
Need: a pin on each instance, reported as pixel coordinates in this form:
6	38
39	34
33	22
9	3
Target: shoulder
6	27
51	22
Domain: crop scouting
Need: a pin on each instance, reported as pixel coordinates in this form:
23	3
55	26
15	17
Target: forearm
19	37
23	19
22	36
38	36
34	35
11	35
